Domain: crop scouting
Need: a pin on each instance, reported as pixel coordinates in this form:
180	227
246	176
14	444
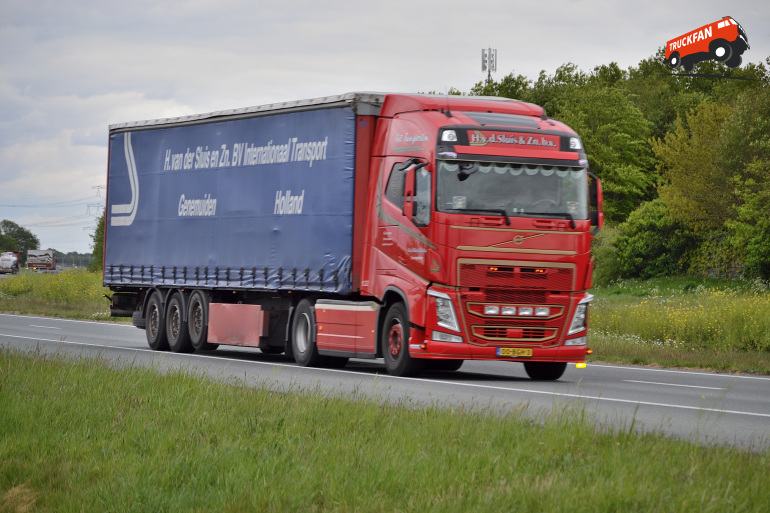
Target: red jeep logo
722	41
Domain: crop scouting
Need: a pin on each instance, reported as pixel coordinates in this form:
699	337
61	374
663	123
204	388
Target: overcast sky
70	68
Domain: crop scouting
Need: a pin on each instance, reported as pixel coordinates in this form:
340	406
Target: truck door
405	214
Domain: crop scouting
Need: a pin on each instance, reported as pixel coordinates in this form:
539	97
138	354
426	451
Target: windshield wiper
563	215
500	211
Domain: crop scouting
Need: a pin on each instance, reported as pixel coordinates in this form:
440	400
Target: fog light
526	311
509	310
491	310
542	311
580	341
440	336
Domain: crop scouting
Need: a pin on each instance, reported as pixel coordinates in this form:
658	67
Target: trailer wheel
197	322
176	326
303	335
395	343
156	324
545	371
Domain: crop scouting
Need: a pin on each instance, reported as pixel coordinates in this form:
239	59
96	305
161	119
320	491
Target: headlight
449	136
581	316
445	312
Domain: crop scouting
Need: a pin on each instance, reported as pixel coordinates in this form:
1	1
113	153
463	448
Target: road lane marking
44	327
418	380
669	384
632	368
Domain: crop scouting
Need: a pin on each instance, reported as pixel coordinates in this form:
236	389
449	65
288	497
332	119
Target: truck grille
506	285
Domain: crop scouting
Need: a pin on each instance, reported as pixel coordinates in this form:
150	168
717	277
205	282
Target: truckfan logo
123	215
722	41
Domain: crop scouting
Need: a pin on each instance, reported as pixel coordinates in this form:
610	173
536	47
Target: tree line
684	162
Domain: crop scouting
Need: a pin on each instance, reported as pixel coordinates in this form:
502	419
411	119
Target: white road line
670	384
417	380
634	368
44	327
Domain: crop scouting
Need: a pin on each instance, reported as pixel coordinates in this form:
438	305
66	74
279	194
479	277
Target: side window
422	197
394	191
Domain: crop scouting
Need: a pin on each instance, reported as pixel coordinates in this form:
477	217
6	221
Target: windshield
512	189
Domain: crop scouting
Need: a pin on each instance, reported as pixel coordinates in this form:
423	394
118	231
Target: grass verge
77	435
683	322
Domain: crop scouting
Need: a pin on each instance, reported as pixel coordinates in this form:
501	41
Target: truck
723	40
9	262
423	230
41	260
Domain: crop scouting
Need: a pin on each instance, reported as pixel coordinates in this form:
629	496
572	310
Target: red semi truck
423	230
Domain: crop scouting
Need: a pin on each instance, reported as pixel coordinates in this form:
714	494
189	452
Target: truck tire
545	371
395	343
155	329
177	332
674	61
303	335
720	50
197	322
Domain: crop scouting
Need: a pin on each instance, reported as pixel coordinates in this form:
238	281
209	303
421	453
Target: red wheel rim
395	339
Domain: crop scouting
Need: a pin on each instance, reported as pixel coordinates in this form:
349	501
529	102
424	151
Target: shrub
652	244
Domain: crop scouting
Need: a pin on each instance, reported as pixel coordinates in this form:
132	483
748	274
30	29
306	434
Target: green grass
72	294
78	435
684	322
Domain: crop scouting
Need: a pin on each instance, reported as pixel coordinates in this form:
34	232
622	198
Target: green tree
513	86
652	244
745	154
24	239
615	135
97	245
698	191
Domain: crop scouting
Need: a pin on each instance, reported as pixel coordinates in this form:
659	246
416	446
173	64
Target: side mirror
596	200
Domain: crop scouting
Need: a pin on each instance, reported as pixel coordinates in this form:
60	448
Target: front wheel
720	50
545	371
395	343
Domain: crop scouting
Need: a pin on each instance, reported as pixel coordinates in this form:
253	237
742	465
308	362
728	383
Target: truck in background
423	230
9	262
41	260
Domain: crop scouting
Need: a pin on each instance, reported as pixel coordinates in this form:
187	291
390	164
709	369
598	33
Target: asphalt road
703	407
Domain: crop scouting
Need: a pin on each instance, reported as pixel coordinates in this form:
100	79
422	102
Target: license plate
514	351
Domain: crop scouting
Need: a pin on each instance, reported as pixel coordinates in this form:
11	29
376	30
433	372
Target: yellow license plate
514	351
